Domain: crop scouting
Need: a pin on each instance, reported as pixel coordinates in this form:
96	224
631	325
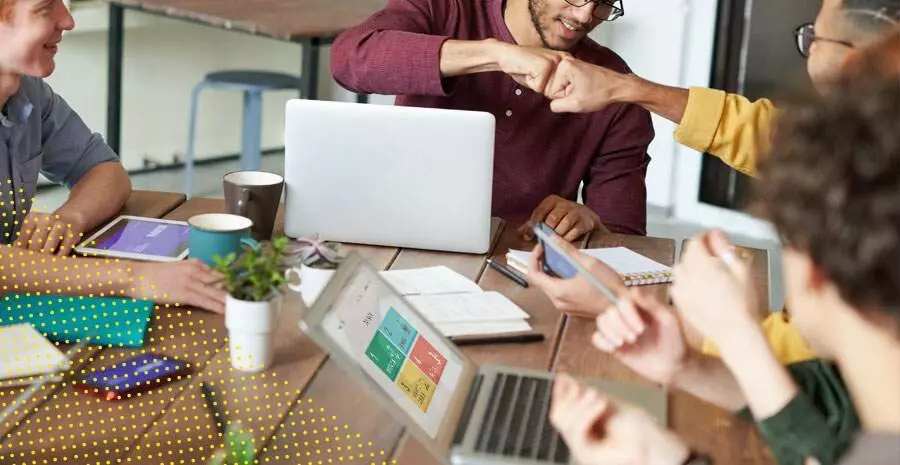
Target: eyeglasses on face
806	37
607	10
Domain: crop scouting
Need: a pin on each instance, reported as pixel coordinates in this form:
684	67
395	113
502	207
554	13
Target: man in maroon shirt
498	56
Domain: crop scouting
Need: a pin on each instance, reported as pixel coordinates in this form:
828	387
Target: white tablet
138	238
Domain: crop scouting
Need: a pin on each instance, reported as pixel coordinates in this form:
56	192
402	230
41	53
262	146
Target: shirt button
508	113
518	91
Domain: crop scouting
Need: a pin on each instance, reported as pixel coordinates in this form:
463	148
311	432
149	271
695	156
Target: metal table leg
114	76
309	78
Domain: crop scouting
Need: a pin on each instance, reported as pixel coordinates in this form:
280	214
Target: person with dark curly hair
851	39
831	189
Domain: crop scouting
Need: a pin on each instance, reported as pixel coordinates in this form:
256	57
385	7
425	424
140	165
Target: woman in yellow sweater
730	126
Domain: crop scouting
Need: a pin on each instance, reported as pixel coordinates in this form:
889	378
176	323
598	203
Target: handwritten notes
458	308
434	280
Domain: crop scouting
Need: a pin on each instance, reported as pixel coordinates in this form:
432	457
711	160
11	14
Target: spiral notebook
634	268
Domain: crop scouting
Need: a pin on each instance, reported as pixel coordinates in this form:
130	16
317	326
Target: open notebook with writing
634	268
456	305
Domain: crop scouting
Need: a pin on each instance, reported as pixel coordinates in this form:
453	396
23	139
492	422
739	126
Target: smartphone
556	262
135	375
559	264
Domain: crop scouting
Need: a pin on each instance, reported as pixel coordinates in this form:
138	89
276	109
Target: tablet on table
139	238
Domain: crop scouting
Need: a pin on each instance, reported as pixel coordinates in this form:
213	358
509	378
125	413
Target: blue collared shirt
40	133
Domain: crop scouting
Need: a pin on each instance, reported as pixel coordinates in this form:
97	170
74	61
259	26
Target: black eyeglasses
806	36
607	10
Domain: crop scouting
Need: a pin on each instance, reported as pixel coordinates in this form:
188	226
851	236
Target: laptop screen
411	362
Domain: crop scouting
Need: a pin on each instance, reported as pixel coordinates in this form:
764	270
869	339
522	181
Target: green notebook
109	321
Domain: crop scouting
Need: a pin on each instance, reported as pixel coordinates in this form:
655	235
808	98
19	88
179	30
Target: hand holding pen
713	290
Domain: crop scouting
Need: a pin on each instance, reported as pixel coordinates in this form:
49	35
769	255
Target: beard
536	8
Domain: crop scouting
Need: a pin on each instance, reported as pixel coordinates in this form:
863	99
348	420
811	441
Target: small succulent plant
315	253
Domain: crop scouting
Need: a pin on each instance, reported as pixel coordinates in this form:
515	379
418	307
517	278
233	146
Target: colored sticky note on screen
416	385
385	355
111	321
398	330
428	359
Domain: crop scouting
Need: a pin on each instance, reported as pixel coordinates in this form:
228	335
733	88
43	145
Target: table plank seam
560	333
187	382
287	412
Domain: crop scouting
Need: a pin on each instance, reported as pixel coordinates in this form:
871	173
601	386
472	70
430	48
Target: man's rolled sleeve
728	126
819	422
70	149
701	118
397	50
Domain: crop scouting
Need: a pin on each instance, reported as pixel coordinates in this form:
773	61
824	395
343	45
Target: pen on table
505	271
214	407
510	338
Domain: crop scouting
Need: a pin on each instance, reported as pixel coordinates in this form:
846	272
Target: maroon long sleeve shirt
537	152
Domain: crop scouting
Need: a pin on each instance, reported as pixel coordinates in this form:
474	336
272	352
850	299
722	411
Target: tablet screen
415	367
145	237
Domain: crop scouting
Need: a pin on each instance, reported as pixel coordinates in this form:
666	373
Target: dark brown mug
255	195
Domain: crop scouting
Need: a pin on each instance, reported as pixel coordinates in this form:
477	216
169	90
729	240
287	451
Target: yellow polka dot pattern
25	356
169	424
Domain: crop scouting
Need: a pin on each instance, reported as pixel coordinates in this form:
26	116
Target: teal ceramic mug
218	234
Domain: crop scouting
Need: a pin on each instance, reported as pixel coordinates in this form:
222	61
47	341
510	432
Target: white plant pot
251	332
313	282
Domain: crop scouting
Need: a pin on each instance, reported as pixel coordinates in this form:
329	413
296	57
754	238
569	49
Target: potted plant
254	280
318	260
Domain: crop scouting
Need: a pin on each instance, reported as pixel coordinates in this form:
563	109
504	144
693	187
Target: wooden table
311	23
306	410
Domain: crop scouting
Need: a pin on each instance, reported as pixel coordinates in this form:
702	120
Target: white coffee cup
312	283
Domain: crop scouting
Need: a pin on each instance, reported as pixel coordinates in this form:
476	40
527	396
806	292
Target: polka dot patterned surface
168	423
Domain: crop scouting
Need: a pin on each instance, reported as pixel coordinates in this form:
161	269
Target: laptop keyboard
517	422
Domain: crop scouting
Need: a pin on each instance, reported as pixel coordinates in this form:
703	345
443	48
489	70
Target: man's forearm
461	57
750	359
99	195
25	271
709	379
668	102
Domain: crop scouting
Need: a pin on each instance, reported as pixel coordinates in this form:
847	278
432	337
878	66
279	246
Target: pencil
509	338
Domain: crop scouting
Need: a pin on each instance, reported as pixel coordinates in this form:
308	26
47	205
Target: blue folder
109	321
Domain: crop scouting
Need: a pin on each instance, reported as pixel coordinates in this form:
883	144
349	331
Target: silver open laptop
461	412
389	175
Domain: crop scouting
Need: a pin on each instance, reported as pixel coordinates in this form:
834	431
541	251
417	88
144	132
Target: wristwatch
696	458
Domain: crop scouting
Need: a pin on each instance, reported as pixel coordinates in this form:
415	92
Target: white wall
671	42
163	61
650	37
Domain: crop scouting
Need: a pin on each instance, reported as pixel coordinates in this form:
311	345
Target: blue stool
253	84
